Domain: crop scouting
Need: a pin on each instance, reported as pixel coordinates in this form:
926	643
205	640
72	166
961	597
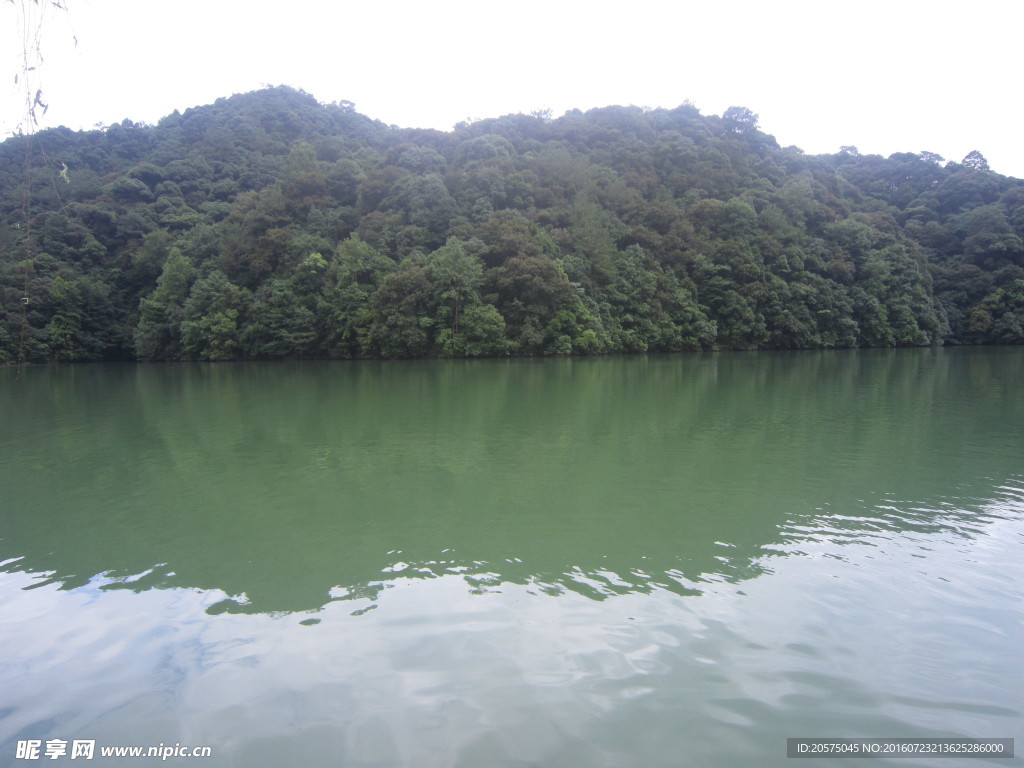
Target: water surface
643	561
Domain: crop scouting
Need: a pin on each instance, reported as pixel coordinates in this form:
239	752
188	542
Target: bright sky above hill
885	76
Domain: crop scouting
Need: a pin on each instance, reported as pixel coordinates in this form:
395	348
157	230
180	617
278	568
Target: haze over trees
267	225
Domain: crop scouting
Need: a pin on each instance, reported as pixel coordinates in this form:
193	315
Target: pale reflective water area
645	561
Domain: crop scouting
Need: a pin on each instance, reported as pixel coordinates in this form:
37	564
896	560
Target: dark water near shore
641	561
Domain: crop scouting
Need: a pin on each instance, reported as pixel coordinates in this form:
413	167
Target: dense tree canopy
267	225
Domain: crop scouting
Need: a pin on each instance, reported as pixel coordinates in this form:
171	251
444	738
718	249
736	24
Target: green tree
740	119
530	291
345	314
158	333
975	161
481	334
211	319
402	319
279	324
455	276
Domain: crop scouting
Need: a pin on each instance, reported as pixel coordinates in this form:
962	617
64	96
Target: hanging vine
32	21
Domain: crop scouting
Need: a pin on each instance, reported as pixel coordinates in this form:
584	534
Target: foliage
267	225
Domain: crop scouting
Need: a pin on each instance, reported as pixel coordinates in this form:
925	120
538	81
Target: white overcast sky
885	76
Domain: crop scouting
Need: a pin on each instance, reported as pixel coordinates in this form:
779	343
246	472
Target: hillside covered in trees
268	226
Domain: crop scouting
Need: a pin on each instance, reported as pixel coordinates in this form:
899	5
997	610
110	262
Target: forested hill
267	225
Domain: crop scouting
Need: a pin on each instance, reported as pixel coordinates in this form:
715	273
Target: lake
633	561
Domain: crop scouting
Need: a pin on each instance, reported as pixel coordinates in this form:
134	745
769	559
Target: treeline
267	225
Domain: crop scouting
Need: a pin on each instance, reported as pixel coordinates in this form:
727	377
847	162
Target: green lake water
623	562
